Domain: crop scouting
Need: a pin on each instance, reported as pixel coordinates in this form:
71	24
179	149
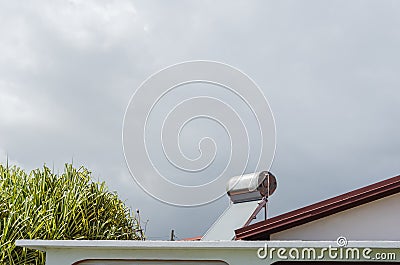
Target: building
355	227
368	213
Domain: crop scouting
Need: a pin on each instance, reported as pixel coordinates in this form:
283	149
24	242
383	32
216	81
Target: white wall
125	252
150	262
378	220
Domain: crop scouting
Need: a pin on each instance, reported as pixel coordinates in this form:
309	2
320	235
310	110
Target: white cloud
15	43
14	109
21	108
90	23
5	157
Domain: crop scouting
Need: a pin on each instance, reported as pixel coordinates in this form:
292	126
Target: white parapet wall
209	252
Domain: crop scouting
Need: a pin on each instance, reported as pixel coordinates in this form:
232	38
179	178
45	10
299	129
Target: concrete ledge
67	252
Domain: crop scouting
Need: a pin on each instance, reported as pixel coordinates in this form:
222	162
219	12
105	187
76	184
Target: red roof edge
263	229
197	238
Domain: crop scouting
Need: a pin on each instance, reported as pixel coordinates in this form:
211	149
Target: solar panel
248	194
234	217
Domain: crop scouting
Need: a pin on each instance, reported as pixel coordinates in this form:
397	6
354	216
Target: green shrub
44	205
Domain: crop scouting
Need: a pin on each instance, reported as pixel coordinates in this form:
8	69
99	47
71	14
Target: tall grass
44	205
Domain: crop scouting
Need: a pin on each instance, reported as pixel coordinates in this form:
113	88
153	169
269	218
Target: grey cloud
329	70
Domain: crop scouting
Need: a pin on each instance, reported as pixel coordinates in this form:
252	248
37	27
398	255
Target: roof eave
263	229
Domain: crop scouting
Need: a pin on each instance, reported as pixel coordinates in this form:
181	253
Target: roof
197	238
263	230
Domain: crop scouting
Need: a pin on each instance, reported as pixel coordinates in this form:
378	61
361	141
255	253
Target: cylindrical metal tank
251	187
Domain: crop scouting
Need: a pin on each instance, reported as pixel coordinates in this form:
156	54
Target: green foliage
44	205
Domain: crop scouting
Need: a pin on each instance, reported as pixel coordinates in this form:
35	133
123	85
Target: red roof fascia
263	229
197	238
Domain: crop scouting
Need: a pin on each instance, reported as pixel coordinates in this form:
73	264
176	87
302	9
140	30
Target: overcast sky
330	71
